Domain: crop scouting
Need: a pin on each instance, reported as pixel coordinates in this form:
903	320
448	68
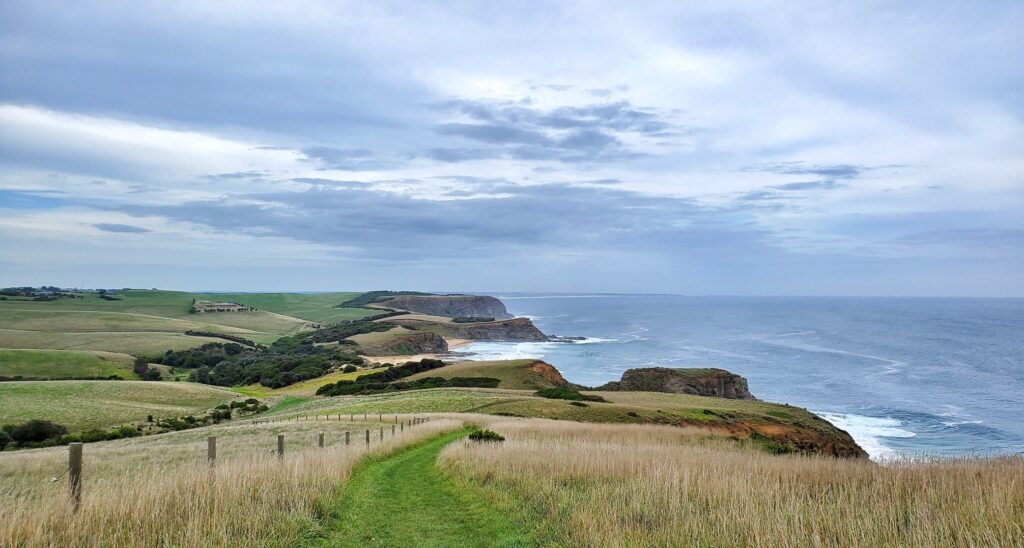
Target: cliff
514	330
717	383
451	306
400	342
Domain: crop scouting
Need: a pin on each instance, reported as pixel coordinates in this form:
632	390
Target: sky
743	148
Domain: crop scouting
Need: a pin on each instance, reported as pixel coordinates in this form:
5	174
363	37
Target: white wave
594	340
869	432
487	351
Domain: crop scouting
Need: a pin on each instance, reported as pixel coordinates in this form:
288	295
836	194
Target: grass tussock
159	491
613	485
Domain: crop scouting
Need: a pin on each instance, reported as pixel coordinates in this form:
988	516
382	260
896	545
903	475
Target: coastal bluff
513	330
450	306
717	383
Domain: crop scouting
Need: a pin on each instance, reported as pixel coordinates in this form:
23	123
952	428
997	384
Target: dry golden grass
159	491
615	485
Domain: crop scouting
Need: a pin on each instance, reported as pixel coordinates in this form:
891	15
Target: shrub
578	404
486	436
350	368
567	394
36	431
4	440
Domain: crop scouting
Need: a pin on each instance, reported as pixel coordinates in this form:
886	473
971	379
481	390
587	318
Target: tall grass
612	485
159	490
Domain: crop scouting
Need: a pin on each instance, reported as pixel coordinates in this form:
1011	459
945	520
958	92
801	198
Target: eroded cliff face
414	343
514	330
451	306
717	383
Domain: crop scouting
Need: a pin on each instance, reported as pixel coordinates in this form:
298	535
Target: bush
486	436
567	394
36	431
350	368
578	404
4	440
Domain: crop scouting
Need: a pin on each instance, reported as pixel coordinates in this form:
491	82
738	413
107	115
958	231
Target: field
513	374
133	343
63	363
315	307
619	485
159	490
81	405
149	322
550	483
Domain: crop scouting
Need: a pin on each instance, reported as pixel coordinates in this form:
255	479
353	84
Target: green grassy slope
127	342
315	307
81	405
513	374
403	500
789	428
64	363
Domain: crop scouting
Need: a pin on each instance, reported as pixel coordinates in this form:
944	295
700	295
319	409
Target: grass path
404	500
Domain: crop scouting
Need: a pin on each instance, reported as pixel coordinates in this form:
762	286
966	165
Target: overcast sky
811	148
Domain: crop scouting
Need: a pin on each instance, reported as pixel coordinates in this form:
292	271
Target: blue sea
903	376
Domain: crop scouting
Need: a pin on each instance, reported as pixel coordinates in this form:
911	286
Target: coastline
452	344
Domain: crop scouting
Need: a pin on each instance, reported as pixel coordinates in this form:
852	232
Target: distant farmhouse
210	306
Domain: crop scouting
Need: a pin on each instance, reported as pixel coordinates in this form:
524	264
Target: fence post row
75	474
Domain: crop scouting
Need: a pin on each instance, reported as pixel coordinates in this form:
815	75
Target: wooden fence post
280	446
346	437
75	473
380	417
392	430
402	425
211	450
364	416
381	433
367	438
320	440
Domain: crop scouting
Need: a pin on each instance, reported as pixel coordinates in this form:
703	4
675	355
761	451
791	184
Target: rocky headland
717	383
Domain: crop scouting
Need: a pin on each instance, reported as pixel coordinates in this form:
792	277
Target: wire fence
392	427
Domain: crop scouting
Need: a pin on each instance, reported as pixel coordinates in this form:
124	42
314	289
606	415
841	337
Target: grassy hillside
149	322
774	427
625	485
315	307
157	490
81	405
513	374
127	342
64	363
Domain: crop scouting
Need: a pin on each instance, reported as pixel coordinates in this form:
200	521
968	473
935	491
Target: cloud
121	229
571	134
387	226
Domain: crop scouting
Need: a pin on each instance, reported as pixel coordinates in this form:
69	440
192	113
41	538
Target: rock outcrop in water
717	383
450	306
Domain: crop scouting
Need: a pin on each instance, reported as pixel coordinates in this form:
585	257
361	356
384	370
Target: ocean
904	376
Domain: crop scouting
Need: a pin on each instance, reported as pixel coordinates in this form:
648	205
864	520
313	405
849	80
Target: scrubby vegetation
486	435
379	381
287	361
567	394
472	319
